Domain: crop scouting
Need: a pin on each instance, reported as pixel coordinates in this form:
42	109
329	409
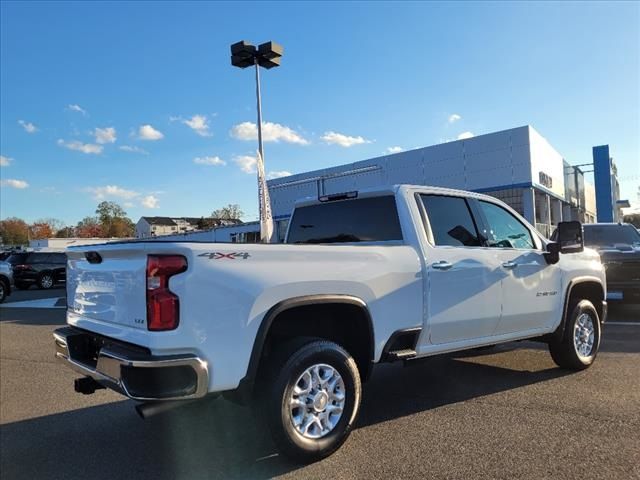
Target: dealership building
518	166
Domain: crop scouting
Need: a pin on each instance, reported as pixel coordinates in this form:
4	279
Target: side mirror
552	255
569	237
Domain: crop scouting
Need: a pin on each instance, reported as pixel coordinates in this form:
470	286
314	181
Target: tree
114	221
230	212
14	231
40	230
633	218
122	227
89	227
54	223
66	232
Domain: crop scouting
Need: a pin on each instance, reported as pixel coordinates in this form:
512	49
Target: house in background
148	227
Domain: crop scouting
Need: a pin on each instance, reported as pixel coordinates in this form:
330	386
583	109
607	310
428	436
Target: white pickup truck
397	273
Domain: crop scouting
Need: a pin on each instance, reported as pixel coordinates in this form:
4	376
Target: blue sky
356	79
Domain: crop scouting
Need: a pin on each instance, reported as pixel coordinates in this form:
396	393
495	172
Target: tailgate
111	291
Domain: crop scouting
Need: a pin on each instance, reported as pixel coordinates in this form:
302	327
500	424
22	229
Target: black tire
565	352
276	390
46	281
22	286
4	290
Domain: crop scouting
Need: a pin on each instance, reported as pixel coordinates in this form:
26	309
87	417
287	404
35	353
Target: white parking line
40	303
623	323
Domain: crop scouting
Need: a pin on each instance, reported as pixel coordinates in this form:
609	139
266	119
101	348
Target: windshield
610	235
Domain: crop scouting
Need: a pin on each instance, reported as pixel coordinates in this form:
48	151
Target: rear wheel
579	347
4	290
311	399
45	281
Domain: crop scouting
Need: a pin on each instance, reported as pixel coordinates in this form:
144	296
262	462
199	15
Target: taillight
163	306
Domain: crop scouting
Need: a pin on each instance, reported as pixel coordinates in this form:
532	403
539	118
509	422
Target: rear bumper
129	369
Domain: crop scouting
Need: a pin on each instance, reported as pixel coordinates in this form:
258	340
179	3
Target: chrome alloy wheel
584	335
47	281
317	401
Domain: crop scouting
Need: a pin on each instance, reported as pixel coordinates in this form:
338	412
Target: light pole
266	55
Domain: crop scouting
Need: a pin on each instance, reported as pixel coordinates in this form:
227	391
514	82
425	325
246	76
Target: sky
138	103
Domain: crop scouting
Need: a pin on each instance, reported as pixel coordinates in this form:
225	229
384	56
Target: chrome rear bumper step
129	369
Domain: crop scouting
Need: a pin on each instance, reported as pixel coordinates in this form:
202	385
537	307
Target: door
531	288
463	282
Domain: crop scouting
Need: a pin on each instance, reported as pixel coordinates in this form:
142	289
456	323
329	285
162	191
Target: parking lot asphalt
502	413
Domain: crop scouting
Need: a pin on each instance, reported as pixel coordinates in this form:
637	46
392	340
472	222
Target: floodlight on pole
266	55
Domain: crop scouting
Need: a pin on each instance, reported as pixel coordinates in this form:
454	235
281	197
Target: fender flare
558	334
245	387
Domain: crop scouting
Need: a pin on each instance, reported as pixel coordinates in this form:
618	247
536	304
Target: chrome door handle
509	265
442	265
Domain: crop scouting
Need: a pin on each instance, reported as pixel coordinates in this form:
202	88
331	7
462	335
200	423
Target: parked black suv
43	269
619	247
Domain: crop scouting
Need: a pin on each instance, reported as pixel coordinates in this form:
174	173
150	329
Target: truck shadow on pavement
217	439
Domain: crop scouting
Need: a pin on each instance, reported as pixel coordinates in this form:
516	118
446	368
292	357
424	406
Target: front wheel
45	282
579	347
312	399
4	290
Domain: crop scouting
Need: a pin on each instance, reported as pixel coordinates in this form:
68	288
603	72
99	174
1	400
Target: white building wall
500	159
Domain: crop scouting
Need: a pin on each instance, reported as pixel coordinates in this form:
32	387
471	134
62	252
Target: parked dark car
6	280
43	269
619	248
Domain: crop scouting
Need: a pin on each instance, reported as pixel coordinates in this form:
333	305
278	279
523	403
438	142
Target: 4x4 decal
224	255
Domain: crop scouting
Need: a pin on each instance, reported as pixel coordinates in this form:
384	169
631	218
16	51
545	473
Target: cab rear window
373	219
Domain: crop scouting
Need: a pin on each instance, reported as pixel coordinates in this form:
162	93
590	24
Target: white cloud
128	204
105	135
13	183
147	132
246	163
150	201
133	149
76	108
394	149
277	174
5	161
215	161
81	147
28	126
343	140
199	124
464	135
271	132
111	191
454	117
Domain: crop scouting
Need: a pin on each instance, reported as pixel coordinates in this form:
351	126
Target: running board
401	345
405	354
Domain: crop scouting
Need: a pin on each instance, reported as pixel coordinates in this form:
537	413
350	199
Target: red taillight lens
163	306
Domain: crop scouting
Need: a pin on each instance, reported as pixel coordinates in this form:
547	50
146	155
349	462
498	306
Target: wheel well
346	324
589	290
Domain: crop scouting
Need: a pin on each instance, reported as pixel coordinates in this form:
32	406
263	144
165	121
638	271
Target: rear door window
58	258
451	221
373	219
